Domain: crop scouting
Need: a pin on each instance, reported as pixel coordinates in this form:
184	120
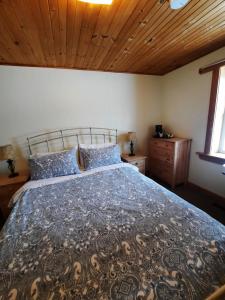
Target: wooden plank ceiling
134	36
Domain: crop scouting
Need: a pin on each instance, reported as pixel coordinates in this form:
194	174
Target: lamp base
131	149
13	175
11	167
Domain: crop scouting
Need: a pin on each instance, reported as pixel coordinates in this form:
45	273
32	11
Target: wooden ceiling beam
181	53
143	9
151	30
175	31
125	10
138	36
190	42
102	37
181	61
14	35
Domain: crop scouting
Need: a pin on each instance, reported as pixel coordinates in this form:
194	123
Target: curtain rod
212	66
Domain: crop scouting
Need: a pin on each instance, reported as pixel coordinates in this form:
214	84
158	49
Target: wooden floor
201	199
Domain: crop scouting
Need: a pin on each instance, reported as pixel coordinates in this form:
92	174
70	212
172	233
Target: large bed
108	233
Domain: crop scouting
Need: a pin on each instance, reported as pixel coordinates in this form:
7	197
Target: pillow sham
91	146
100	156
54	165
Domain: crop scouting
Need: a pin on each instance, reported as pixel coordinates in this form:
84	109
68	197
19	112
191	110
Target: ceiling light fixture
106	2
176	4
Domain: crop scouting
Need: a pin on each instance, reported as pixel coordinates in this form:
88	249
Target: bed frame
64	138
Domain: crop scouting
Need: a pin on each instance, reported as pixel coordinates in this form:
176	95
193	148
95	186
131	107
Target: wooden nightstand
8	186
137	160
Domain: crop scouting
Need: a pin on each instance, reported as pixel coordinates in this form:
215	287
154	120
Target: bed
108	233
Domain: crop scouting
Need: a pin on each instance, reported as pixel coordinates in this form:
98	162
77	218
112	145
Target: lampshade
177	4
131	136
6	152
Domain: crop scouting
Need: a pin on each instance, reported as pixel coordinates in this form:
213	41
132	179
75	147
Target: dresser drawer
162	154
161	170
164	176
169	159
162	144
156	164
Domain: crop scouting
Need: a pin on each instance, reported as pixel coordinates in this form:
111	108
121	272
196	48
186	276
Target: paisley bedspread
109	233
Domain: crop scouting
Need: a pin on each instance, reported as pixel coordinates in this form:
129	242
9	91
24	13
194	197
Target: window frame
218	158
222	136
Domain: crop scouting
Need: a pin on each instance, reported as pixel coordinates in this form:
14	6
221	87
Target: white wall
185	104
33	99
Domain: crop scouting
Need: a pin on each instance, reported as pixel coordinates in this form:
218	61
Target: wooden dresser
169	160
8	186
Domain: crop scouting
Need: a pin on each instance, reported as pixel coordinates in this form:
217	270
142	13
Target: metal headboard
61	136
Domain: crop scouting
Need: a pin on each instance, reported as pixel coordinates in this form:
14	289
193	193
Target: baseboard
219	200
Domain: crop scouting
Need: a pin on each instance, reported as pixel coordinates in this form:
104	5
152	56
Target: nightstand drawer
138	163
6	193
9	190
136	160
142	169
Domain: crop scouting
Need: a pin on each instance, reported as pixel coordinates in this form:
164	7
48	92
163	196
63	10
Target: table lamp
131	138
7	153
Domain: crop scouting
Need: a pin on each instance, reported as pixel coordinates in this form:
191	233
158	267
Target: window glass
218	136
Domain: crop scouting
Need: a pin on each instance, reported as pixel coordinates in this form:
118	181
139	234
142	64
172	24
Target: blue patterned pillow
98	157
54	165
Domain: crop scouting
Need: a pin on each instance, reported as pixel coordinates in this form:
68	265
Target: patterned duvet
110	233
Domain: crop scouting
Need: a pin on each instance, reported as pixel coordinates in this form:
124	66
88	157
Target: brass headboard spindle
91	136
62	139
47	143
28	140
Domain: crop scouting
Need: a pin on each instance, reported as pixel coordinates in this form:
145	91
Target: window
218	133
215	136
